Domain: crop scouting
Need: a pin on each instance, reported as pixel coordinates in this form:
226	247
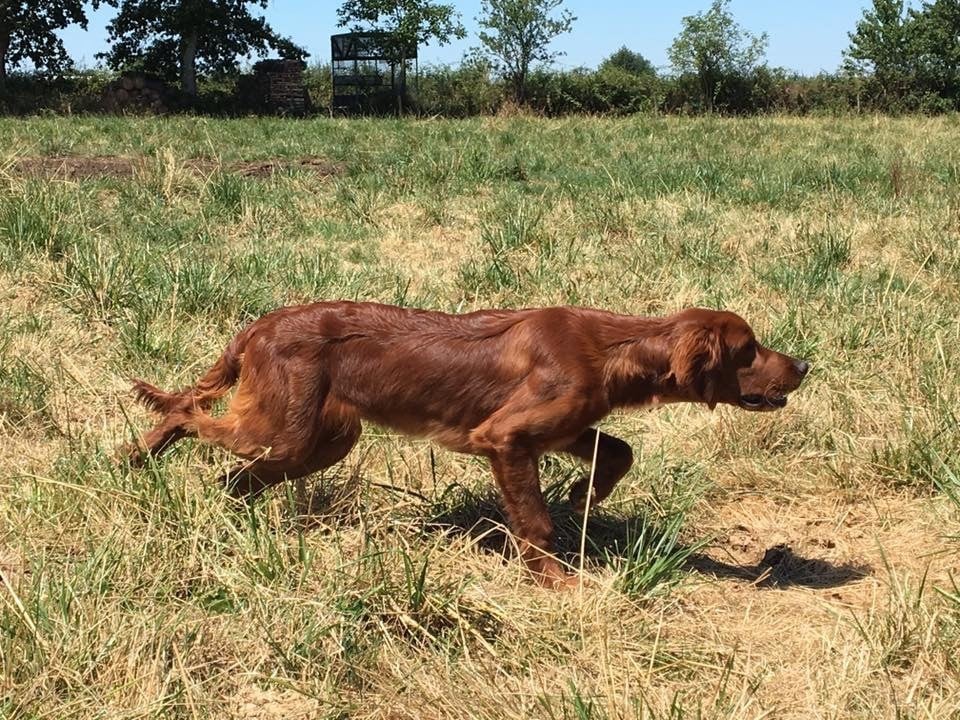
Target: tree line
901	57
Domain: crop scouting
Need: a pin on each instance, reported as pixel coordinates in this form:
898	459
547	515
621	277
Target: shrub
608	91
458	91
32	93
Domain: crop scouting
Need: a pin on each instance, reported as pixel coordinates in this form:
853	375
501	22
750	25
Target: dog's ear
695	363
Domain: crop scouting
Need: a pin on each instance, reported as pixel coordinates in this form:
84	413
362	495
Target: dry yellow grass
384	588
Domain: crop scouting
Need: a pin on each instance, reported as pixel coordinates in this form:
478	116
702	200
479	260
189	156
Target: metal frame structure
365	75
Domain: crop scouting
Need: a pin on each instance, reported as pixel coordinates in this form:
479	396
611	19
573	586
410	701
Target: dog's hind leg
330	443
154	443
246	481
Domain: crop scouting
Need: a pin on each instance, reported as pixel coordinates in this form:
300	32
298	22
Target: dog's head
716	359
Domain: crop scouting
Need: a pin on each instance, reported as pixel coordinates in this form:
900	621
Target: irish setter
508	385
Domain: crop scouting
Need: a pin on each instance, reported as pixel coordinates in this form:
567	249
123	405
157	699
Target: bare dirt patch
253	703
265	168
77	167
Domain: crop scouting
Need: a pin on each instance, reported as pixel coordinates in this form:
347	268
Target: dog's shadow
608	535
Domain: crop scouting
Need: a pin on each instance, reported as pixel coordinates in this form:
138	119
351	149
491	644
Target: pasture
797	564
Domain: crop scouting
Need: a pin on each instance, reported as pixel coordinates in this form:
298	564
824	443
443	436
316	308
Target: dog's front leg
614	458
515	470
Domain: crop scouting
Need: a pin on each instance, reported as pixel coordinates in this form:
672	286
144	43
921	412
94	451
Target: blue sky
805	36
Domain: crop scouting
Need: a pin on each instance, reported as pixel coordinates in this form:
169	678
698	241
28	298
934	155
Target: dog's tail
214	384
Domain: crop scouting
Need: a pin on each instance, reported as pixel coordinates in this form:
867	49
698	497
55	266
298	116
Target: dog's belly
452	433
441	397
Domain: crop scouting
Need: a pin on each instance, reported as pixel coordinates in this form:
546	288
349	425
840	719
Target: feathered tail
214	384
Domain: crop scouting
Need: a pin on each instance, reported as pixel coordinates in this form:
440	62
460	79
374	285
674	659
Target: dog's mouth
763	402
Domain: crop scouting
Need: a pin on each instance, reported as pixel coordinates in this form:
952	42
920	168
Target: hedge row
469	89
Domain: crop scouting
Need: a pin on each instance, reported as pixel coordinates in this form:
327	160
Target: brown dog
509	385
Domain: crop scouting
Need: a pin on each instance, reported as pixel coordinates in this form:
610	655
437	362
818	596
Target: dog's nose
802	367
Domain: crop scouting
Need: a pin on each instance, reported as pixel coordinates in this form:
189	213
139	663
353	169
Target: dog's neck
636	367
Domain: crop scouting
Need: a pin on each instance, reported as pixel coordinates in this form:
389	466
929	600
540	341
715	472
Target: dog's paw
130	453
552	576
571	582
578	496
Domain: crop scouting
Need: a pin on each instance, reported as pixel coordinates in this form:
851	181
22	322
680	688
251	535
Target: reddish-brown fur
509	385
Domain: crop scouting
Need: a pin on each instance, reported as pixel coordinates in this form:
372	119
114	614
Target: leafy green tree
630	62
404	24
205	36
517	33
883	46
27	32
937	42
712	46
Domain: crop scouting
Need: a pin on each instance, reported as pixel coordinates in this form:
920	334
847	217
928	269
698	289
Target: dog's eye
747	352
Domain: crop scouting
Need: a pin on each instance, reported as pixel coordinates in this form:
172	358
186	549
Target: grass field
799	564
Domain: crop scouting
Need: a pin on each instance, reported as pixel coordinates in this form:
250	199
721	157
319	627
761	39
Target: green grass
792	564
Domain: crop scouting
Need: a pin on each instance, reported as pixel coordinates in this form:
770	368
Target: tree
630	62
713	46
883	45
936	27
208	36
27	32
406	22
518	33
